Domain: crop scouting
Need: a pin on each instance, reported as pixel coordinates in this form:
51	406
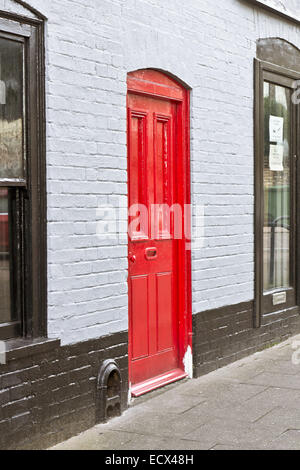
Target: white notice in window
276	129
276	157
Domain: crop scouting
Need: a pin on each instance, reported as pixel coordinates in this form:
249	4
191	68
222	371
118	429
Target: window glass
5	306
277	184
11	109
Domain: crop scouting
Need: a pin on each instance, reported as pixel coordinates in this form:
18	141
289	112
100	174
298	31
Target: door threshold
157	382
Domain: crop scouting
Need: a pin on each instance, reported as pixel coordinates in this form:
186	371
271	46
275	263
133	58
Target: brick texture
225	335
48	397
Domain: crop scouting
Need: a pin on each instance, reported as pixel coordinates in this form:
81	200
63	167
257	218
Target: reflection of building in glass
4	256
11	109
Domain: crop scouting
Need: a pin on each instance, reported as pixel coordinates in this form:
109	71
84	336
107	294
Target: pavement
253	404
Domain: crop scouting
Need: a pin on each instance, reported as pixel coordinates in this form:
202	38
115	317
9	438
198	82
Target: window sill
19	348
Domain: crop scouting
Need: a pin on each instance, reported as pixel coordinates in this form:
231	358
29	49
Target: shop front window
22	180
277	204
277	186
12	157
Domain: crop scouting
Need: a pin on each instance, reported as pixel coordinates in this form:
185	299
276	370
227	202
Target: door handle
132	258
151	254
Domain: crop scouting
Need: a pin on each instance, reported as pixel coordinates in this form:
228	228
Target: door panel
163	180
138	165
165	335
152	248
139	316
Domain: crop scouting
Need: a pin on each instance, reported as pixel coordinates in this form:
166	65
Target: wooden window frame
30	264
278	75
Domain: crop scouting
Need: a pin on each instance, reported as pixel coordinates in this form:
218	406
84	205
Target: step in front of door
157	382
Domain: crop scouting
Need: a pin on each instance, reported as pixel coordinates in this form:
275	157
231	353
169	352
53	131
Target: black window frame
29	214
282	76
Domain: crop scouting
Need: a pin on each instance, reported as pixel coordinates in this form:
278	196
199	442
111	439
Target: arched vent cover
109	392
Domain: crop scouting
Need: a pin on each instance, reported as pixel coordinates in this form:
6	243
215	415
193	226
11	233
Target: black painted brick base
50	396
225	335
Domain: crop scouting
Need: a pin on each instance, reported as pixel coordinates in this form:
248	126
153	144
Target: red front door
153	248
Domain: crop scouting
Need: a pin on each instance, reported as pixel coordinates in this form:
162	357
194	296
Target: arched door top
155	82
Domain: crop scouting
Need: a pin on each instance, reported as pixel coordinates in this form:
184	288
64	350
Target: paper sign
276	129
276	157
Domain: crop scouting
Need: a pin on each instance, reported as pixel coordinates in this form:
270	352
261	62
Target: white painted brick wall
90	47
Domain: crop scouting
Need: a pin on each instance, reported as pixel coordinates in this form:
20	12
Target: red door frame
150	82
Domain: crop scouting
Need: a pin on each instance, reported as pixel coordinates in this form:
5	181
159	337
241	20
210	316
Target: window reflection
277	193
11	109
5	306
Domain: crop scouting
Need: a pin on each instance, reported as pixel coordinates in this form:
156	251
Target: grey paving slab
159	424
289	440
141	442
146	443
231	431
282	367
175	402
240	447
252	404
281	419
184	445
277	380
231	394
276	397
95	440
247	412
280	351
246	369
193	388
